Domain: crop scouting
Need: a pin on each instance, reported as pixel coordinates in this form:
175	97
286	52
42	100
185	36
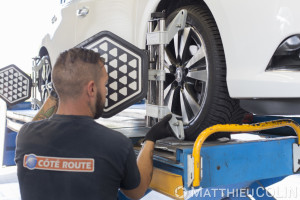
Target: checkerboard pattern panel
122	69
15	85
126	69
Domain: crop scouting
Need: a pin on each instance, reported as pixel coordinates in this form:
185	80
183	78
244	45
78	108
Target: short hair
73	69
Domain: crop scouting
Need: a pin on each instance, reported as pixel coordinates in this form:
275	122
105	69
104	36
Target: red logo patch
32	161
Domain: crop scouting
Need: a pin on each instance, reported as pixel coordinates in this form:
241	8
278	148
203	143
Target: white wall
22	23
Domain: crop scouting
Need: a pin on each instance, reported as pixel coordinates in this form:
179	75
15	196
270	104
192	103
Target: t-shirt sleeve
18	154
131	178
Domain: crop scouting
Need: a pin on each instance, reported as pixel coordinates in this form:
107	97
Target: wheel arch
43	51
169	6
46	51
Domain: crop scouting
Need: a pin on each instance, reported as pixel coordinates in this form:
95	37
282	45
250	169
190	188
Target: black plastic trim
272	106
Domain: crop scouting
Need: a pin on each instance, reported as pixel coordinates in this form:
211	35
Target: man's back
73	158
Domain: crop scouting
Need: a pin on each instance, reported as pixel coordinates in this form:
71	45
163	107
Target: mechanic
69	155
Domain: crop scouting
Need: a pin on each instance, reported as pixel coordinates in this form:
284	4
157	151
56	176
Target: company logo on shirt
32	161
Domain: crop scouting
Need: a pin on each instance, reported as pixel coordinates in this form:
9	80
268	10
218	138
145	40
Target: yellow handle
235	128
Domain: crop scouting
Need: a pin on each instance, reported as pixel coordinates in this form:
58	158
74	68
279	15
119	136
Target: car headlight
287	55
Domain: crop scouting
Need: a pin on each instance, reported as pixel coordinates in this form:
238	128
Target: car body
251	33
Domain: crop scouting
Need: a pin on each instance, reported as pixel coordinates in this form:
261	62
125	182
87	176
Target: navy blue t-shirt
73	157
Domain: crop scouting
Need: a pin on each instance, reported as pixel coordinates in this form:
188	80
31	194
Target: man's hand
160	130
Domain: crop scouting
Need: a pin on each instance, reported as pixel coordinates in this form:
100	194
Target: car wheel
44	79
195	87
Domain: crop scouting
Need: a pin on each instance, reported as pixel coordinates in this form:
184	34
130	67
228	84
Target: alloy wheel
186	70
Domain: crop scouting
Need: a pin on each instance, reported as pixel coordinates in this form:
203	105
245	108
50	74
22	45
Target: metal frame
237	164
235	128
157	39
37	64
160	36
296	157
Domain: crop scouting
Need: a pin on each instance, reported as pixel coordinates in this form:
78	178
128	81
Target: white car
246	53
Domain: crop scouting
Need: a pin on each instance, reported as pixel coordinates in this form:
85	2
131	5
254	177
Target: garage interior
235	107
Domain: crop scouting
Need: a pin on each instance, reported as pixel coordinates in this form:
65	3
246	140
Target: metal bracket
201	168
177	23
37	64
190	169
156	111
155	38
296	157
158	38
159	112
164	37
156	75
177	127
35	103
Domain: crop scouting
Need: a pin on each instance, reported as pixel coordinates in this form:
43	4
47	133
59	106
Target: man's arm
145	159
145	165
48	109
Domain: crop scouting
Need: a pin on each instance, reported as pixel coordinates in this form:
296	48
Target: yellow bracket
235	128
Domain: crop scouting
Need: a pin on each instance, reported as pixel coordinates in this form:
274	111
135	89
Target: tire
44	79
197	93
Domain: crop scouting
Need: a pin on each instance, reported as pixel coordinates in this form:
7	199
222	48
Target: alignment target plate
15	85
127	68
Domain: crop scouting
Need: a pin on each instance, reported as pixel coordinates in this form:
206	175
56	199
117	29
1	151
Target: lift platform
237	168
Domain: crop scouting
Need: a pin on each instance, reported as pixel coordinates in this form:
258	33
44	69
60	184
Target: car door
117	16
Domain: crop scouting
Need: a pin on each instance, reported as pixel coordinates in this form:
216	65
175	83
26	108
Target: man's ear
91	89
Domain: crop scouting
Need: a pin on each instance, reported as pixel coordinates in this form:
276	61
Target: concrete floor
287	189
9	187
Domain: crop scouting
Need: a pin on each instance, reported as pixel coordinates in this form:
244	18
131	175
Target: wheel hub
178	74
187	75
47	86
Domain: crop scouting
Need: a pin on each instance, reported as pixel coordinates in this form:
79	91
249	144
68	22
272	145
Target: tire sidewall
214	67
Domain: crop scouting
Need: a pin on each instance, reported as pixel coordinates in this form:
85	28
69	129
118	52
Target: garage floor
9	187
287	189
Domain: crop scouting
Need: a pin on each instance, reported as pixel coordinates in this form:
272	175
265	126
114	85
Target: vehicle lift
222	169
200	170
